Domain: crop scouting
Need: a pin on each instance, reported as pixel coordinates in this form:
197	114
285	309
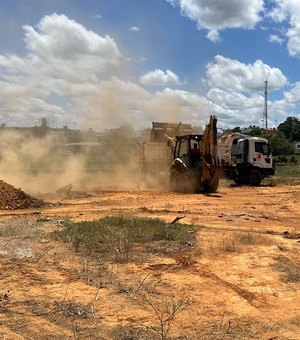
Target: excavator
195	165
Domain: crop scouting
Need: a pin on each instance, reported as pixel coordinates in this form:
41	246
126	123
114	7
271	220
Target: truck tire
238	181
254	177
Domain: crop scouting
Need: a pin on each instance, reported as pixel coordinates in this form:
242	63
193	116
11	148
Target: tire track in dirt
46	275
243	293
199	270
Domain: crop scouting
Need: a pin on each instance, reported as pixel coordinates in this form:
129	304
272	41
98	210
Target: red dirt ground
242	276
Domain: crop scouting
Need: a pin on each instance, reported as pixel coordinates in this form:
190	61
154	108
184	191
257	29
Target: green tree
44	123
41	130
236	129
255	130
280	144
291	128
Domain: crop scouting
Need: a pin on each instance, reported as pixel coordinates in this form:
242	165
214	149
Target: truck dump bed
159	130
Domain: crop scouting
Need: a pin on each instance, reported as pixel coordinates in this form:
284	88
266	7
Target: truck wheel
238	181
254	177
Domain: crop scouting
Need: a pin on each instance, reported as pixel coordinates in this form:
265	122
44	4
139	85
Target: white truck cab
254	150
245	159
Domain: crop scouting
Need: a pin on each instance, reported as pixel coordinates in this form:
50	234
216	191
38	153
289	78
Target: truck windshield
262	147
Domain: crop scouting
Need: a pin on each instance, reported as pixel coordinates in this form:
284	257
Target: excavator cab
188	148
195	164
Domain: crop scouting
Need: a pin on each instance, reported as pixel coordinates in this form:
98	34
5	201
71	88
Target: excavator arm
210	166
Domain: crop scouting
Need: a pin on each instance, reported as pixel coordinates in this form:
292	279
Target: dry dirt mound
12	198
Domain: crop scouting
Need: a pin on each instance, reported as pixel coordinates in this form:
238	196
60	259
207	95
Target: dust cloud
35	163
117	102
43	159
44	164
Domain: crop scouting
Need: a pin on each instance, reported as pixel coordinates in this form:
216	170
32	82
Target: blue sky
103	63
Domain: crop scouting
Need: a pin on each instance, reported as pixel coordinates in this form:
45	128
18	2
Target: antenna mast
265	115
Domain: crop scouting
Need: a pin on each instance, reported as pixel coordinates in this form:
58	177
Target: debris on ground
60	223
13	198
178	218
65	190
78	194
293	236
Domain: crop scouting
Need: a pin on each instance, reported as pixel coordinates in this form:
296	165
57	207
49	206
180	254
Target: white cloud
293	35
134	29
59	39
237	90
284	10
213	35
62	57
159	77
75	75
293	96
13	64
274	38
63	78
215	15
230	74
289	10
236	109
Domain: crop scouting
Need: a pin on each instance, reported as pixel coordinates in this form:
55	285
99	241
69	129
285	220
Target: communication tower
265	115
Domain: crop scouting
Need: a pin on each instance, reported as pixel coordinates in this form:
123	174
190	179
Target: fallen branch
177	219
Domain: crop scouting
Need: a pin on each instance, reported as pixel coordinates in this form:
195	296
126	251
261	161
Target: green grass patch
120	237
288	170
284	174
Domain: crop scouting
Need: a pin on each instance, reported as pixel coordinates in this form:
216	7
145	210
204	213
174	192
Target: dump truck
195	165
245	159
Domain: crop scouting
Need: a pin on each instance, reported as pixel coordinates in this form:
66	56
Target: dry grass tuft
290	270
236	242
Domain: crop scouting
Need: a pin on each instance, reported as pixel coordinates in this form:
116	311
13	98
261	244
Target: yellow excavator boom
210	169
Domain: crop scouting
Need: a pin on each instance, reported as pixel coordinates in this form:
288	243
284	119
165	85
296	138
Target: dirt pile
12	198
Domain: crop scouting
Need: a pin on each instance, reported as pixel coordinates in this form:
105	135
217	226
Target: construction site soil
12	198
239	279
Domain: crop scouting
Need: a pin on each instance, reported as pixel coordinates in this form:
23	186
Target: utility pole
265	115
